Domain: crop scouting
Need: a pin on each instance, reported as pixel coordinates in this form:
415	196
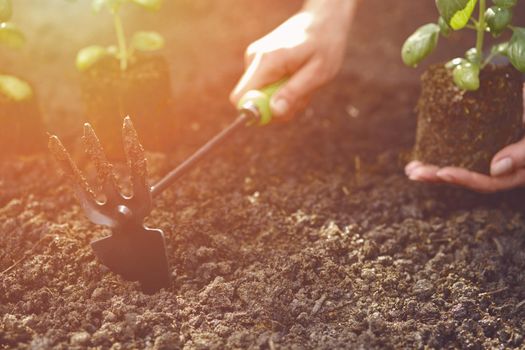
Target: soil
143	91
467	128
291	236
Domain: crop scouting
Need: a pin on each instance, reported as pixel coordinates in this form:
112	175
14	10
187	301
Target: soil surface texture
304	235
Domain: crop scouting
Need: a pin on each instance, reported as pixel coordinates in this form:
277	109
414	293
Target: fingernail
411	166
279	107
415	175
501	167
443	175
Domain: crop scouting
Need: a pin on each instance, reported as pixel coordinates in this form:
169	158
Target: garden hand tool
134	251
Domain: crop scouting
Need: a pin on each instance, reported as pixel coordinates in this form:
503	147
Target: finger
264	69
480	182
508	159
299	107
301	84
425	173
249	54
412	166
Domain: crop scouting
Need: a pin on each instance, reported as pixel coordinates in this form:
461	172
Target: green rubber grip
261	99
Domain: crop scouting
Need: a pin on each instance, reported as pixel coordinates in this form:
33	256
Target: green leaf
14	88
420	44
500	49
466	76
516	49
90	55
11	36
498	18
147	41
456	13
6	10
153	5
472	56
455	62
444	29
505	3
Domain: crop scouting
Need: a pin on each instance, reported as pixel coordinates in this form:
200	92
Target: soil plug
21	127
469	108
124	79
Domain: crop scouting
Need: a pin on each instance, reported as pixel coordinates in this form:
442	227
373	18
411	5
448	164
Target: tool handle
185	166
260	99
254	104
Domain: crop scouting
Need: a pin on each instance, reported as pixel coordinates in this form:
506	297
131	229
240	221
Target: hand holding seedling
308	48
507	171
144	41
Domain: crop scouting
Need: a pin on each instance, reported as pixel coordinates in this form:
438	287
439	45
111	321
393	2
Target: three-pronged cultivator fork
134	251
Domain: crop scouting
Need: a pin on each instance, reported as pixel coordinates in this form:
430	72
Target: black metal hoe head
132	250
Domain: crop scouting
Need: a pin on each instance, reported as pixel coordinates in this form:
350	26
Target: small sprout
6	10
420	44
466	76
457	14
498	19
90	55
14	88
147	41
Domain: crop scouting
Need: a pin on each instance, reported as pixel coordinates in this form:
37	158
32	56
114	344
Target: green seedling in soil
458	14
144	41
11	36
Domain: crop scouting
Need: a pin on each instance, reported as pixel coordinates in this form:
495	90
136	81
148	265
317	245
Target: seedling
11	36
458	14
145	41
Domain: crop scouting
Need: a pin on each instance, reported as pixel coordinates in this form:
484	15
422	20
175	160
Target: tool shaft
187	165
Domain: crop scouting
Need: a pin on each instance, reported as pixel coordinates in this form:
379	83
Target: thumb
508	159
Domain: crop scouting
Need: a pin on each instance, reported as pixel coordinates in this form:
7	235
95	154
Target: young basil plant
458	14
11	36
144	41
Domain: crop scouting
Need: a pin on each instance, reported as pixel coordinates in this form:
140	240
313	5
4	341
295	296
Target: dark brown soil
467	128
301	235
142	91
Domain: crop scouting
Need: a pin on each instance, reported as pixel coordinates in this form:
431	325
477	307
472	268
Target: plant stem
481	30
488	59
121	39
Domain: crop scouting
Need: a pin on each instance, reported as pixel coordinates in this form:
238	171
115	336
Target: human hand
507	171
308	48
